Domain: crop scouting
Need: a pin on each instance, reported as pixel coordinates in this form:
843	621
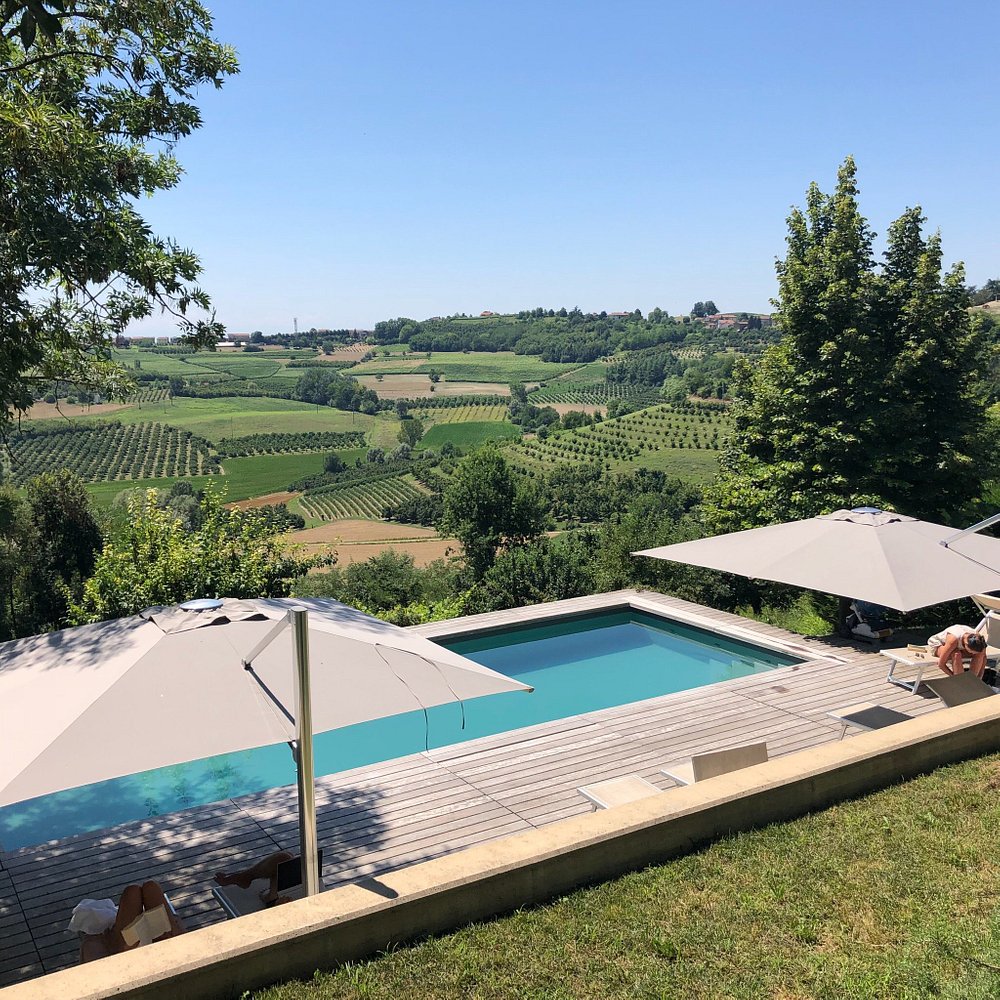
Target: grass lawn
470	434
237	416
892	896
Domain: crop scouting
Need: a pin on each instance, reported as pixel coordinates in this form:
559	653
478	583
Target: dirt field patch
417	386
46	411
358	541
352	352
264	501
588	408
361	531
424	552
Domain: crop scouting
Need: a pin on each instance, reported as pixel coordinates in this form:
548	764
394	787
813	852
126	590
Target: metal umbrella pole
305	768
298	619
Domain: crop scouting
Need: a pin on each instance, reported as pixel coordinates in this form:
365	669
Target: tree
49	540
411	430
333	463
487	508
873	394
93	98
710	308
698	309
541	570
156	561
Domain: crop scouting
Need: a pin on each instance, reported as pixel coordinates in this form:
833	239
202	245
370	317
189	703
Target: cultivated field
356	541
239	416
420	386
107	452
241	479
474	366
359	500
683	440
469	435
467	413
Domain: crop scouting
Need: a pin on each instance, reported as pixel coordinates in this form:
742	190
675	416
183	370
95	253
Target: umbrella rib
275	700
423	708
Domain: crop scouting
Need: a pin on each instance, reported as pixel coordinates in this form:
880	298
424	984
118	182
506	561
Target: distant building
238	338
735	321
618	315
487	312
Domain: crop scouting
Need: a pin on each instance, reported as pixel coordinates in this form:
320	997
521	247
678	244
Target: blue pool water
576	665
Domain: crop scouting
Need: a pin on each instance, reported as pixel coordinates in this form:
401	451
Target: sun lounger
239	902
960	689
631	788
715	762
618	791
867	716
990	625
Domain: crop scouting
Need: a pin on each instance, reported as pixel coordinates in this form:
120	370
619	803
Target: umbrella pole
305	768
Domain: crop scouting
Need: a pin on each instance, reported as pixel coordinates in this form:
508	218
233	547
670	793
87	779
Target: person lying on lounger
264	869
144	915
952	645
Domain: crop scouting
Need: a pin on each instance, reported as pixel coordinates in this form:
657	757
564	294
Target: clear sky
379	159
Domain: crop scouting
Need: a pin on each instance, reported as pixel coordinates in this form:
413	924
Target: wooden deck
385	816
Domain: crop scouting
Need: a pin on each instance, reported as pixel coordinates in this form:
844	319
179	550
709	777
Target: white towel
92	916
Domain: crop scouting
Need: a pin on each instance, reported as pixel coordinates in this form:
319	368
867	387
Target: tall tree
486	507
873	394
49	540
94	94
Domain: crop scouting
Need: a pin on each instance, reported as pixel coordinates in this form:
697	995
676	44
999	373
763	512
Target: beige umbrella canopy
867	554
171	685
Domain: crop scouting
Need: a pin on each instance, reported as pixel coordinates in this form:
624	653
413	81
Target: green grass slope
893	896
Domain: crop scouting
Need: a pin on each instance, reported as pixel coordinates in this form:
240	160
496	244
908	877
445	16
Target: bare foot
240	878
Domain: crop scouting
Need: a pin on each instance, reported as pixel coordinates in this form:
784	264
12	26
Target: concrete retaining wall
353	922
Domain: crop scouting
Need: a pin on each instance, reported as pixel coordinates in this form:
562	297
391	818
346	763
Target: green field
431	415
684	441
243	477
110	451
469	435
212	366
238	416
503	366
362	500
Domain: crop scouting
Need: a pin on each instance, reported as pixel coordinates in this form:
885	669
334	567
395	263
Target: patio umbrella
865	553
172	685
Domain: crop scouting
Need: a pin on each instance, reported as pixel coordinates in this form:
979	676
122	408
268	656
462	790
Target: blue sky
380	159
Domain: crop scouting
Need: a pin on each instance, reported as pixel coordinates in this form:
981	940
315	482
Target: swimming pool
576	664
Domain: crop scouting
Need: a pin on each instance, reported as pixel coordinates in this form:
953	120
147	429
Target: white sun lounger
867	715
631	788
239	902
960	689
715	762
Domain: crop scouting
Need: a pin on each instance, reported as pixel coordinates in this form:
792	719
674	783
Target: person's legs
110	942
265	868
152	897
